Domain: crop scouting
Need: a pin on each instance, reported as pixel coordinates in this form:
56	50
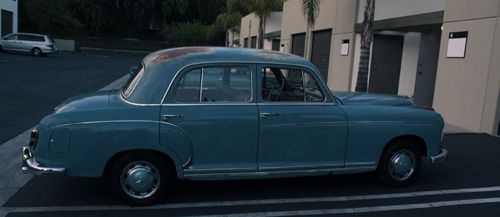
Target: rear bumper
30	165
439	158
49	50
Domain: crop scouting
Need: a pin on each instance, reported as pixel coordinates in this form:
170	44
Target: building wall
467	89
12	7
338	15
250	27
386	9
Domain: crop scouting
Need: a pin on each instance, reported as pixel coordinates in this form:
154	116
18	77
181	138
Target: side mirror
132	70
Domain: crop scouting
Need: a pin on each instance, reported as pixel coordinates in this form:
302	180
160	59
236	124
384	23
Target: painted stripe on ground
368	209
253	202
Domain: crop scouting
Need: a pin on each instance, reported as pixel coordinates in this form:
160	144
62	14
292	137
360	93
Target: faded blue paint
222	141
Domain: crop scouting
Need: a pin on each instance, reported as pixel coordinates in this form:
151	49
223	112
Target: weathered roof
222	54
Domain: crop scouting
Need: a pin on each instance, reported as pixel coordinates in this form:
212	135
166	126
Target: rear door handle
264	115
170	116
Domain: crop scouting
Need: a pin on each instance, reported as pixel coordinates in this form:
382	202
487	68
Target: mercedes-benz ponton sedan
207	113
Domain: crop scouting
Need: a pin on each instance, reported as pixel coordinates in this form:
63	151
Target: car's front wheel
399	164
140	178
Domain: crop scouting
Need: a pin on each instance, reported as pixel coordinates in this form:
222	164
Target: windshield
135	77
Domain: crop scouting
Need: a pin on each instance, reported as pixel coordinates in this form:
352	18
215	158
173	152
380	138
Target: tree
366	41
310	9
230	19
262	9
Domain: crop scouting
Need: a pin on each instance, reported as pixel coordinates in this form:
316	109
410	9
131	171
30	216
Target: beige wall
250	27
338	15
467	90
386	9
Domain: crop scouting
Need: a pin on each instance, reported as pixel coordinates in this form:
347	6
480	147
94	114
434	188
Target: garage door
298	42
6	22
320	55
254	42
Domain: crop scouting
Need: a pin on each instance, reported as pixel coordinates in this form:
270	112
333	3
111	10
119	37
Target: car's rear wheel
140	178
399	164
37	52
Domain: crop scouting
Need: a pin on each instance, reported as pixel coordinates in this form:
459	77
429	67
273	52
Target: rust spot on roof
175	53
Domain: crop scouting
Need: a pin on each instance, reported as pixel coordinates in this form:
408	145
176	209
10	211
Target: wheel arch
419	142
170	162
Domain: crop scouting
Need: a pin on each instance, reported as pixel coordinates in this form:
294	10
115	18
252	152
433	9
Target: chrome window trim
303	86
334	101
201	85
133	88
201	89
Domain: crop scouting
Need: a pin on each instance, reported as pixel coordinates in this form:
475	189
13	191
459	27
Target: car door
9	42
214	106
301	126
24	42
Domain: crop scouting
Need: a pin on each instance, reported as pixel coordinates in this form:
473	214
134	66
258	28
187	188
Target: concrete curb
10	154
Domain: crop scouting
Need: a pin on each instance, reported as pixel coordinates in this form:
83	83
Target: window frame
326	98
182	73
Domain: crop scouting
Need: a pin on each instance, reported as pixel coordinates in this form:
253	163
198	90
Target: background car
38	45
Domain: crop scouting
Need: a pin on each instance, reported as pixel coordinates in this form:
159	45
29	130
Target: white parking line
368	209
288	201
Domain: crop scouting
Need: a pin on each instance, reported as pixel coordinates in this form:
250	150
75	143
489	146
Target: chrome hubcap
36	52
140	179
402	165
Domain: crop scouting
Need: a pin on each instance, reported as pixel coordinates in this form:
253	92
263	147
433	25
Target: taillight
33	137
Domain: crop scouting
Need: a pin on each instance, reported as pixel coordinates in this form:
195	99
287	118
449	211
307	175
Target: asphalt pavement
467	184
32	86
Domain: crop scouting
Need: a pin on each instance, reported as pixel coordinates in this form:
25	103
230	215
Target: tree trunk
306	43
366	41
262	22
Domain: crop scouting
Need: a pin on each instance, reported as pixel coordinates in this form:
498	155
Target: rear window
132	81
51	40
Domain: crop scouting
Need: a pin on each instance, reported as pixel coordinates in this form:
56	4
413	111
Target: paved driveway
32	86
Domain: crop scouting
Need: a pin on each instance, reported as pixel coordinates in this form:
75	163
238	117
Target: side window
289	85
217	84
312	89
23	37
188	88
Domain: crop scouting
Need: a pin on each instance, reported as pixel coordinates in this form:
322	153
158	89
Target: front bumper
30	165
442	156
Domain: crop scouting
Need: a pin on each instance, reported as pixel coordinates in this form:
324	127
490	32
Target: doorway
7	22
386	64
427	68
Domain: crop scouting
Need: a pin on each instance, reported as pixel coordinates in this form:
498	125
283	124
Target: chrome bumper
30	165
442	156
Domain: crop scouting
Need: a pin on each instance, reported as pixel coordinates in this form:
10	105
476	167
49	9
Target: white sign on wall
344	48
457	44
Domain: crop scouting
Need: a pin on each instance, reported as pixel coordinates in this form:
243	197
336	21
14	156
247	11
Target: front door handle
264	115
170	116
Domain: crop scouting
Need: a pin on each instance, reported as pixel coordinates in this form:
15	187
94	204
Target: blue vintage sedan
206	113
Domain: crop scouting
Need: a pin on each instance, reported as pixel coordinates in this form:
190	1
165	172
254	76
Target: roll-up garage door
320	55
298	42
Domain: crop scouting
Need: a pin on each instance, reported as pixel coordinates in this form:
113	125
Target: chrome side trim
111	121
30	165
302	167
331	171
306	124
441	157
